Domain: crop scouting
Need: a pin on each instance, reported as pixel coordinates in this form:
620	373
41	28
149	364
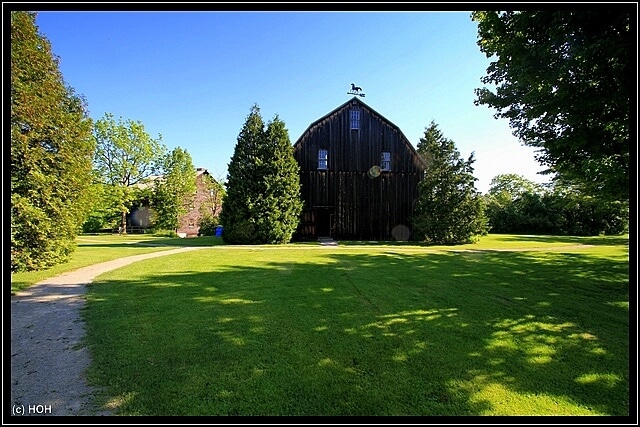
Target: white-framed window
355	119
385	161
323	159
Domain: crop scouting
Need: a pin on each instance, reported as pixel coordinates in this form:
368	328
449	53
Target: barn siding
362	208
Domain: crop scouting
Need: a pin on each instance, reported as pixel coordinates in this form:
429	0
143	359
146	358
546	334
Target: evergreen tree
281	198
51	152
242	185
262	204
449	209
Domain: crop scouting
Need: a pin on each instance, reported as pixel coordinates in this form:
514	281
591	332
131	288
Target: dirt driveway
48	359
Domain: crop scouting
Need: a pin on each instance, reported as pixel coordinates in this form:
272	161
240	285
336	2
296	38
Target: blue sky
193	76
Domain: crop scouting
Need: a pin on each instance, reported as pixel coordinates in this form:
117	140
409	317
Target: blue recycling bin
219	231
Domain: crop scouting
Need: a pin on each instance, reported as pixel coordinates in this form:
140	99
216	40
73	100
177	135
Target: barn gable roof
362	104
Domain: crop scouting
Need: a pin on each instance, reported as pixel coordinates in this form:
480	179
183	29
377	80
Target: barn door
324	222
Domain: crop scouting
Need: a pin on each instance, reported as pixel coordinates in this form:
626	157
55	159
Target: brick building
140	218
188	224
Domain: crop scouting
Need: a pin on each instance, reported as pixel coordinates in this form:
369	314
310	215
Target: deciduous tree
211	205
105	208
563	80
126	155
215	193
175	191
517	205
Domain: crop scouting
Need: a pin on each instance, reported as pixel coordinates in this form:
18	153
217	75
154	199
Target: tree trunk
123	223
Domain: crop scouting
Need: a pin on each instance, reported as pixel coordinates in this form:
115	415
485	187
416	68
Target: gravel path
48	359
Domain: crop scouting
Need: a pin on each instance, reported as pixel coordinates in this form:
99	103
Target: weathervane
355	90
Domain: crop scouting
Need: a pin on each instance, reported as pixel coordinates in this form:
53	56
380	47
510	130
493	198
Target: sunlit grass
365	329
95	248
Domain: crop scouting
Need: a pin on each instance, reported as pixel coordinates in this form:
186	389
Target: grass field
93	249
513	325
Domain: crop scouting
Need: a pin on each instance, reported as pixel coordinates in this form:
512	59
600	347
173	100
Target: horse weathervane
355	90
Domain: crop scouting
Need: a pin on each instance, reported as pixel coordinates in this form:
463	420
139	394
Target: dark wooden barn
359	176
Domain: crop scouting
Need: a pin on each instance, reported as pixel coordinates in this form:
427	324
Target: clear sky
193	76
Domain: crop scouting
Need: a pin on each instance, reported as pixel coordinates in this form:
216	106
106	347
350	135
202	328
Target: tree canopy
51	152
211	205
517	205
513	186
175	192
125	155
262	204
215	194
563	78
449	209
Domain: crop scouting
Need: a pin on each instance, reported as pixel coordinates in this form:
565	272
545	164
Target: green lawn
96	248
509	326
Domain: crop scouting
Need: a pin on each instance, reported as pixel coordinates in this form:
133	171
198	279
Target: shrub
165	233
208	224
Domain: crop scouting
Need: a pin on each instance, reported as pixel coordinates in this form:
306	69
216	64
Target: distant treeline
516	205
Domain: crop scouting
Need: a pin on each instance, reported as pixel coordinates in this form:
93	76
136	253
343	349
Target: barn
359	176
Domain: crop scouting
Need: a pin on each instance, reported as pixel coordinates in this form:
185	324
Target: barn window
385	161
322	159
355	119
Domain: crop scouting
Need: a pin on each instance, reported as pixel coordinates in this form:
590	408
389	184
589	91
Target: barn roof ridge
355	98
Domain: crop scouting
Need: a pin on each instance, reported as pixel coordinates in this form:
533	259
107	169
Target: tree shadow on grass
574	240
369	335
169	243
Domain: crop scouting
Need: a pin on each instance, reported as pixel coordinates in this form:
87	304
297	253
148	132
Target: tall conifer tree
282	185
262	204
449	209
51	152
